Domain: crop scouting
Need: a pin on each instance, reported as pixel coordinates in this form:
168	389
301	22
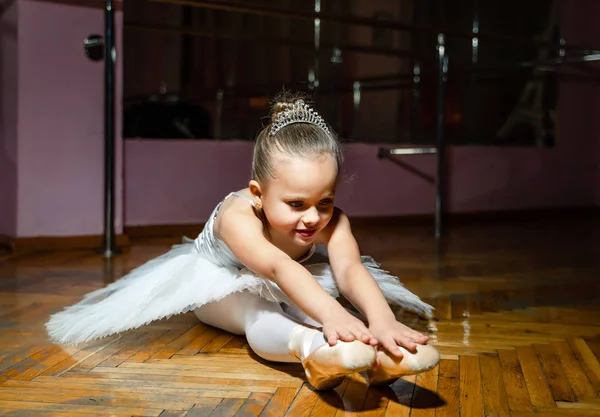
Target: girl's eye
326	202
295	204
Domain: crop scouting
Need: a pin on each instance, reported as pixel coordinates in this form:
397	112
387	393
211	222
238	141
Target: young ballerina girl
270	264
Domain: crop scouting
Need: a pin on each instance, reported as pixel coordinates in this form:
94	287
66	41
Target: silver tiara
299	113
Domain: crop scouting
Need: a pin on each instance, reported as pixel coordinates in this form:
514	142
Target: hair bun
279	108
285	101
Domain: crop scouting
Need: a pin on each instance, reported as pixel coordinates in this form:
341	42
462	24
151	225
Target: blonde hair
297	139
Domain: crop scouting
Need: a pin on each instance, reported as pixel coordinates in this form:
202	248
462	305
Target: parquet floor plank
514	381
494	393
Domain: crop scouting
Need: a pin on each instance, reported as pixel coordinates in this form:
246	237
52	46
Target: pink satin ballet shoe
326	366
391	368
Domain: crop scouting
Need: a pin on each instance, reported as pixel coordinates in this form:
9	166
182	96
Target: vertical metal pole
472	118
442	61
475	38
109	131
219	115
314	71
336	102
356	107
415	103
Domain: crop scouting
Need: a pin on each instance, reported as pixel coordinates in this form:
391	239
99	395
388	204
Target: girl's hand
391	334
344	326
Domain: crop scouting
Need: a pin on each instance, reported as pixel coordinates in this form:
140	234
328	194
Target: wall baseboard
560	214
19	245
450	219
5	244
164	230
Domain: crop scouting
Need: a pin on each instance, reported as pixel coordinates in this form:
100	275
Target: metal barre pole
109	248
405	151
442	75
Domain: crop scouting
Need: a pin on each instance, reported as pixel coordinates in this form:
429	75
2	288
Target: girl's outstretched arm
361	289
243	234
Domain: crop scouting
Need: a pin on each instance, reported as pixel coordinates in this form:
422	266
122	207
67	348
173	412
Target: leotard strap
243	197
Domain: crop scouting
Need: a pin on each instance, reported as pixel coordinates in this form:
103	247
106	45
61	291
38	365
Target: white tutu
188	276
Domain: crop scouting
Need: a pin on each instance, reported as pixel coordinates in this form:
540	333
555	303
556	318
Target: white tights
266	325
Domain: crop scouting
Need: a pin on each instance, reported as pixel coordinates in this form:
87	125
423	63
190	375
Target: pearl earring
258	205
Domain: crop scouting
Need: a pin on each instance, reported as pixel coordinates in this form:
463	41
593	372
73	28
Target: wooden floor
518	328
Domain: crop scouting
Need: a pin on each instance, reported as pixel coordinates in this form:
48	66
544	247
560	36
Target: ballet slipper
391	367
326	367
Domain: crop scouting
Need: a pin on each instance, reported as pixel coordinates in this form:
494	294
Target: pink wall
8	121
171	182
60	113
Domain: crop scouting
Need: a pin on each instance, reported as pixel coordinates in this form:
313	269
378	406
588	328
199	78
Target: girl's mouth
306	232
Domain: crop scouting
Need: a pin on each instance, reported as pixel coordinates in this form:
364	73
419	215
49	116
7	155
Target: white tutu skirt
182	280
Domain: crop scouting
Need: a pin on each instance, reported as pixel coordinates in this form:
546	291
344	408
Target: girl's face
298	202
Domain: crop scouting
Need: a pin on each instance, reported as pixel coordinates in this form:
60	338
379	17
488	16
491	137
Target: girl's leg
300	316
266	326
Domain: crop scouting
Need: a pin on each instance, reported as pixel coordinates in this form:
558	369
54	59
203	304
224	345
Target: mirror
209	70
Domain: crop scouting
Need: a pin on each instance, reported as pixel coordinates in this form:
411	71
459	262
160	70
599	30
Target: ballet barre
382	152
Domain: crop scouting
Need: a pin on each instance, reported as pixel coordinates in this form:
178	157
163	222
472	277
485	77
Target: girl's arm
243	234
354	280
361	289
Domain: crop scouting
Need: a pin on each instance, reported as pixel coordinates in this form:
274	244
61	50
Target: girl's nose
311	217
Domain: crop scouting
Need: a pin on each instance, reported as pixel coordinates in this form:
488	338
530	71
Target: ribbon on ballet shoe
327	366
392	367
